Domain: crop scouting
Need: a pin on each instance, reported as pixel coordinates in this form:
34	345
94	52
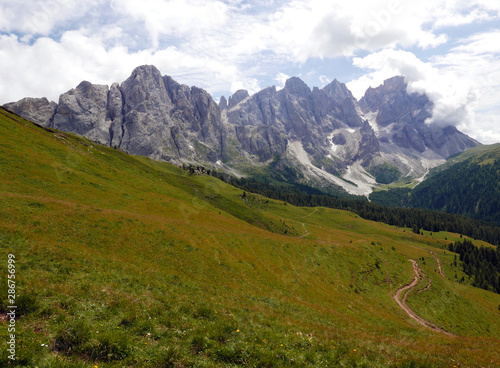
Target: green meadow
122	261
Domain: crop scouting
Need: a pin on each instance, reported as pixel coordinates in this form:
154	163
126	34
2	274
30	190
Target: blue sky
448	49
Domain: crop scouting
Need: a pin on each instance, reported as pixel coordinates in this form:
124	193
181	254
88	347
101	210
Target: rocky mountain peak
237	97
223	103
145	89
395	83
338	91
296	86
145	72
39	110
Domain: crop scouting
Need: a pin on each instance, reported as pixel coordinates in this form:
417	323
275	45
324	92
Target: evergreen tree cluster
469	188
302	195
480	263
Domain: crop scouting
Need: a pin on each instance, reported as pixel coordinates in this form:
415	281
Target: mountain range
325	137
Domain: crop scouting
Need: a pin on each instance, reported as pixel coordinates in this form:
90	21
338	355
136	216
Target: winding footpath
439	264
402	300
303	224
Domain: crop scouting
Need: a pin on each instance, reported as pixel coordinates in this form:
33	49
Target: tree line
305	196
482	264
468	188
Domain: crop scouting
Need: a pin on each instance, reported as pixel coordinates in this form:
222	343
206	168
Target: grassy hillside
122	261
471	152
467	184
470	187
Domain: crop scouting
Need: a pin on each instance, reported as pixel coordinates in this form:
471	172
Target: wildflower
354	349
281	344
237	330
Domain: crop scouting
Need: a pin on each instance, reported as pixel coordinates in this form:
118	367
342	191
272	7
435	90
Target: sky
447	49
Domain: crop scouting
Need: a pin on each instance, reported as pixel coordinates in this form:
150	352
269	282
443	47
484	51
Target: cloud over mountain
48	46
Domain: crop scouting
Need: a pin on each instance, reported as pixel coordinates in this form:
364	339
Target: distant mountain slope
459	157
470	187
467	184
327	136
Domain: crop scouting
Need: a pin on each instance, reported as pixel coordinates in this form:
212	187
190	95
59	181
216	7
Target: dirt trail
303	224
402	301
439	264
427	287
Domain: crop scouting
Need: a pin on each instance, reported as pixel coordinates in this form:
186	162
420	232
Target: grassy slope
123	261
469	187
477	151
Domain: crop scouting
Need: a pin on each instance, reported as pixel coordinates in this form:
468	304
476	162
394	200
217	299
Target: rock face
398	119
325	133
39	110
308	118
147	114
83	111
238	96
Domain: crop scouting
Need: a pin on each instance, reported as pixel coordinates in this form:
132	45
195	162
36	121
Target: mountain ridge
326	134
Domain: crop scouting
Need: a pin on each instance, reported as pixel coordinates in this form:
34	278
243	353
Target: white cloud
281	78
485	127
317	28
78	56
41	16
453	98
49	46
177	17
464	83
476	62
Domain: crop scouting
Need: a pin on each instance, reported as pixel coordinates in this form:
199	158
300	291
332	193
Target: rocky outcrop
401	119
238	96
223	103
300	114
84	110
263	141
320	131
38	110
147	114
368	146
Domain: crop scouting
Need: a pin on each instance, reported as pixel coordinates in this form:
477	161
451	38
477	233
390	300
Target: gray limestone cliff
324	133
399	119
38	110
